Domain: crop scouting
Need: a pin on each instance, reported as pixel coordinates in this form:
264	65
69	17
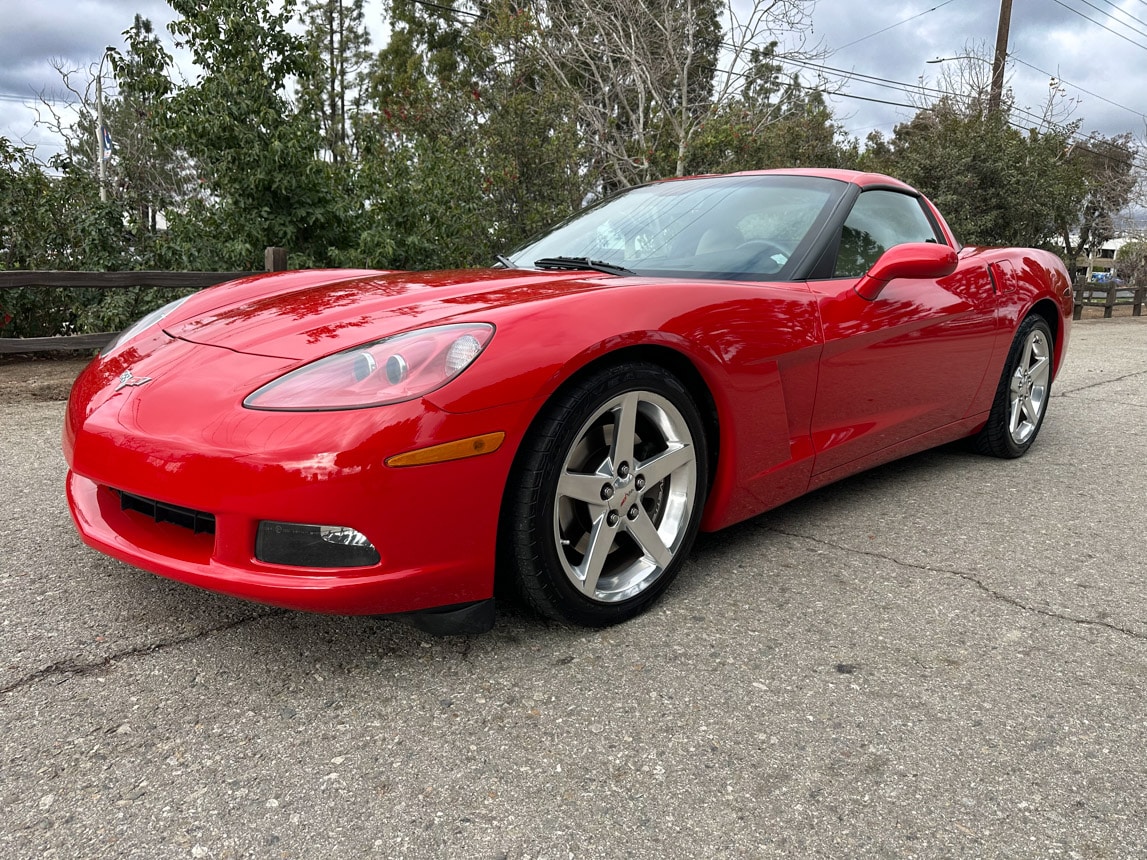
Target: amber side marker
475	446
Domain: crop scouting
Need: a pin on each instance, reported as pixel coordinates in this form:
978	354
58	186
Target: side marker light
475	446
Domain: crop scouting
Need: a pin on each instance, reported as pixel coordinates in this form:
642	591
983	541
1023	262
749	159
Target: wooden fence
1108	297
275	259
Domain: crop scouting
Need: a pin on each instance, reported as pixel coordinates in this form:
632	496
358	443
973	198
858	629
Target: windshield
723	227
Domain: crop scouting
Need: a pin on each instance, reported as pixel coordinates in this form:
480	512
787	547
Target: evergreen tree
339	44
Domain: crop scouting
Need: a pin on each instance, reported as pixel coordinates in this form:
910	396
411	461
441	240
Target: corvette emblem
126	379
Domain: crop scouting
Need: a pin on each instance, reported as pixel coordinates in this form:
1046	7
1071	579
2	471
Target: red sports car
681	356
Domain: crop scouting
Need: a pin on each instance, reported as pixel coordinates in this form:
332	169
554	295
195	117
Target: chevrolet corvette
678	357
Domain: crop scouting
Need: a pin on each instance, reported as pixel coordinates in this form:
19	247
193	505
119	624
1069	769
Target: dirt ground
24	378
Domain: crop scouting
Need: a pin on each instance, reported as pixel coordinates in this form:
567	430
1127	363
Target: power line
442	8
875	80
1021	114
1112	19
867	99
1122	12
899	86
846	75
15	97
1078	87
897	24
1103	26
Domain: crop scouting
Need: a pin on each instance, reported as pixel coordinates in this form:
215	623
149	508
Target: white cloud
1103	72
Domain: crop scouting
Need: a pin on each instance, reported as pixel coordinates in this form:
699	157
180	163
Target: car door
906	363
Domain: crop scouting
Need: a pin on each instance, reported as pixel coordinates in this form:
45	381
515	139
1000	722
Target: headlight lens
145	323
397	368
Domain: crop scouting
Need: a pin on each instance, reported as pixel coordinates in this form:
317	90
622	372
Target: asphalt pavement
944	657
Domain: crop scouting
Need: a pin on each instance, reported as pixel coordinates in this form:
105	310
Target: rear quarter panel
1026	280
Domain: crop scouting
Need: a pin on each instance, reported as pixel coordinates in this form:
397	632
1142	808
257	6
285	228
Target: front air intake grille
196	521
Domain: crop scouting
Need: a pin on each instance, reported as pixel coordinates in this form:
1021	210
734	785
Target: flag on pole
106	138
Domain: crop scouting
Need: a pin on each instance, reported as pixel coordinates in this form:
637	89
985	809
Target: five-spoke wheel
1021	398
611	490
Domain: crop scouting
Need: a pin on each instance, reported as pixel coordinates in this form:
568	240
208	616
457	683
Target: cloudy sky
877	52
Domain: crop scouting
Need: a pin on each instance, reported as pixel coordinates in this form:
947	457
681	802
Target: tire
601	520
1022	395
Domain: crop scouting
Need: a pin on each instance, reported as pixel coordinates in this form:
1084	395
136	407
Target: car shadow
287	641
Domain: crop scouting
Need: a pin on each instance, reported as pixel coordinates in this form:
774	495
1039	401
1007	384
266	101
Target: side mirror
911	260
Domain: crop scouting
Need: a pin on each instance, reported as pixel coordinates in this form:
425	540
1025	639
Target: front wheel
1021	398
609	495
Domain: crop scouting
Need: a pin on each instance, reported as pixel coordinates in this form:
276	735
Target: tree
145	173
148	173
646	75
1008	176
775	121
1131	263
534	162
57	217
52	222
339	44
466	148
428	56
1106	167
257	155
995	184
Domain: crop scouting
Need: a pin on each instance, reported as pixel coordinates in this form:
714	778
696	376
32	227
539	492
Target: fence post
1110	305
275	259
1137	306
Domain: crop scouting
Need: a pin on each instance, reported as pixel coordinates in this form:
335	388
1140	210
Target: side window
878	220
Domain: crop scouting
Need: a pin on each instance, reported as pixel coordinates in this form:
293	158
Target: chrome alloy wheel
625	496
1028	388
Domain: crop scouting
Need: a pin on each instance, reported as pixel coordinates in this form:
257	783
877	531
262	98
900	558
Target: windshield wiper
576	263
505	261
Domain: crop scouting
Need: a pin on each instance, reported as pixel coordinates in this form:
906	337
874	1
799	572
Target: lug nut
612	519
606	492
623	470
633	512
639	483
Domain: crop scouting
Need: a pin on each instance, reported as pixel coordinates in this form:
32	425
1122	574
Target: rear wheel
609	497
1021	398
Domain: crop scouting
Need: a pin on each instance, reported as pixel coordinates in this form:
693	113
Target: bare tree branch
645	75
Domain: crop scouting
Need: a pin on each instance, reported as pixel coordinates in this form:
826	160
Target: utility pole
995	95
100	155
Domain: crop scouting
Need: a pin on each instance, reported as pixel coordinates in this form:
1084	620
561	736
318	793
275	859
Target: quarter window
879	220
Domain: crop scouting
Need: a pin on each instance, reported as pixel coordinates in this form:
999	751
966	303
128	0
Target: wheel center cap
624	492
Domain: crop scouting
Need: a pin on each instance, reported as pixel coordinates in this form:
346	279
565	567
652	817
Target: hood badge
126	379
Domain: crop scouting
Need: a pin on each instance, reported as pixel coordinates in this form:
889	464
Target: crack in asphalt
967	577
75	668
1100	382
1122	404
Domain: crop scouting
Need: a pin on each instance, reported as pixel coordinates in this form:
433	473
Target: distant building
1100	266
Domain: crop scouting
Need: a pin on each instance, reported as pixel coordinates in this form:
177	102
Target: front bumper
184	439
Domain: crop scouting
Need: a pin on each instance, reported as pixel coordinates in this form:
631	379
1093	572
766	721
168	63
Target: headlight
145	323
398	368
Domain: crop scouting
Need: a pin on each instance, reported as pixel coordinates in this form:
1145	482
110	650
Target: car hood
307	314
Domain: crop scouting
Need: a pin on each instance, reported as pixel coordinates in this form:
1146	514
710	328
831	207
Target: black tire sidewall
995	438
540	573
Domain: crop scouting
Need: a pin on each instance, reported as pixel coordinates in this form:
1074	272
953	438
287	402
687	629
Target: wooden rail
1108	297
275	258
